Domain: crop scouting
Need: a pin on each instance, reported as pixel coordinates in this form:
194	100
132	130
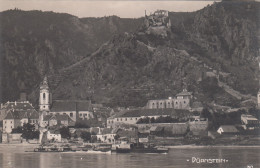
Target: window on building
130	118
135	118
184	102
5	122
117	119
121	119
176	102
11	127
71	114
108	122
80	114
11	122
43	96
125	119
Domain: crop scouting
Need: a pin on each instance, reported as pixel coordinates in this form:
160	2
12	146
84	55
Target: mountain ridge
130	68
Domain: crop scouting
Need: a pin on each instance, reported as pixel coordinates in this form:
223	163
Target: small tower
45	96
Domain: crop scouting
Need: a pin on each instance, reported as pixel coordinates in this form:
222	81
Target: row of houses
132	116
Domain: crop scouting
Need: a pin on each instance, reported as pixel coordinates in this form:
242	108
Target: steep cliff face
35	43
130	68
225	36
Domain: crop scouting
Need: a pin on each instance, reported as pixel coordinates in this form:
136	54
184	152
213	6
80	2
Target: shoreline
212	146
167	146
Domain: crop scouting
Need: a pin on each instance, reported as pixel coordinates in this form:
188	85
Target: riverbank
211	146
167	146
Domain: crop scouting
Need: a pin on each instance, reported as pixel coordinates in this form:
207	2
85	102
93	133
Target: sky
94	8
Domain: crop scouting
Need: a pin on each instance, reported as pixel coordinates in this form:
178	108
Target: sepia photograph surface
129	84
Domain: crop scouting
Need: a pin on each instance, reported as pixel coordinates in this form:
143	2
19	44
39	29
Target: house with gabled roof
17	118
57	120
132	116
16	105
54	135
106	135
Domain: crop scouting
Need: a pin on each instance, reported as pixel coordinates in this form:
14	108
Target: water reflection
13	156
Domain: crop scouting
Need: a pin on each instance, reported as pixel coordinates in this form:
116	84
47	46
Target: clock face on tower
44	98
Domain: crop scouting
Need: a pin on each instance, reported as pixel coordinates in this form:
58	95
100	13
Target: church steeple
45	96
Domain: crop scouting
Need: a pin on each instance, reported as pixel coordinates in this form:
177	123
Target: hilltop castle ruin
157	23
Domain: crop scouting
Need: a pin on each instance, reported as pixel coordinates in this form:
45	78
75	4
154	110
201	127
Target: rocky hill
34	43
94	59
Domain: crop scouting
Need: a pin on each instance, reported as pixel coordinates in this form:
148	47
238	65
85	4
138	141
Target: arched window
44	96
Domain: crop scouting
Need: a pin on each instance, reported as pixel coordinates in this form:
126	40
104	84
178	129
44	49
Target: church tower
45	96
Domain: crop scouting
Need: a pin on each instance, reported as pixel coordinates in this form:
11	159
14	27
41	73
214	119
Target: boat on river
137	148
52	149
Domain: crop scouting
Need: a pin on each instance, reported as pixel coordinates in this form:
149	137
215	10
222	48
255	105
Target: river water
14	156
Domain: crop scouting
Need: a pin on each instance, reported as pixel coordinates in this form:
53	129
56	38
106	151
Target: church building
75	109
